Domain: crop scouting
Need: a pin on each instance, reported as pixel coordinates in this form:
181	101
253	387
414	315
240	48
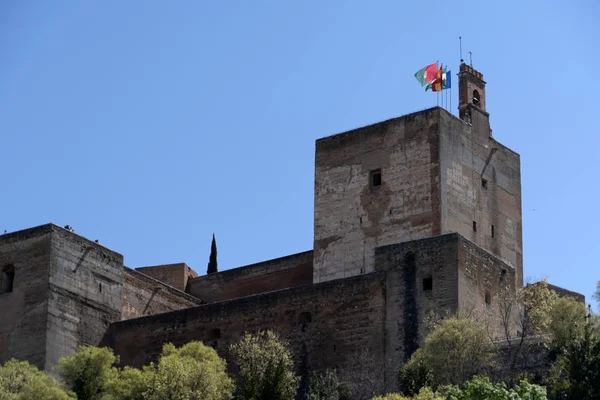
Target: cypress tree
212	263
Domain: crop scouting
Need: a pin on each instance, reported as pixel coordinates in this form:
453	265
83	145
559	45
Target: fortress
415	214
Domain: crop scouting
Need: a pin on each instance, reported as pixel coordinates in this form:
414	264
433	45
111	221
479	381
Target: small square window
428	283
474	226
376	178
488	297
484	183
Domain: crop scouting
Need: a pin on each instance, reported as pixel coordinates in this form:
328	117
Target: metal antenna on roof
460	46
471	58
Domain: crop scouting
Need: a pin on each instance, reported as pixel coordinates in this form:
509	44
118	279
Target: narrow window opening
488	297
475	97
304	318
214	334
492	230
484	183
502	275
474	226
100	287
7	279
428	283
376	178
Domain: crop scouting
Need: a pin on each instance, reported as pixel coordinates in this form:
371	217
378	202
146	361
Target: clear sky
149	125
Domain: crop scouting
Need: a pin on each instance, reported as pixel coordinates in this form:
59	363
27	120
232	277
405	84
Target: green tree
457	349
576	372
415	374
90	372
597	295
266	368
323	386
191	372
567	323
482	389
131	384
20	380
525	313
424	394
212	262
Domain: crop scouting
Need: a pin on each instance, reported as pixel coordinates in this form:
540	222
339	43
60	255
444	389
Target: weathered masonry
413	215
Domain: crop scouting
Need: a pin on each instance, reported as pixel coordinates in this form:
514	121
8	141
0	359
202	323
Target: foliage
89	372
597	294
525	313
415	374
212	262
265	366
191	372
567	323
131	384
482	389
324	386
538	301
576	372
20	380
424	394
453	352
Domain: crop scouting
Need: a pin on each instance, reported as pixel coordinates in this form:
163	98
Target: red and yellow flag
438	84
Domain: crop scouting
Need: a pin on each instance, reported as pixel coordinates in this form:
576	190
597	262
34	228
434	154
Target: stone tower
413	177
65	291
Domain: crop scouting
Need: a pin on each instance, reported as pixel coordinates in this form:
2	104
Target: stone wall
85	293
422	278
481	184
353	217
175	275
328	325
144	295
24	311
483	283
267	276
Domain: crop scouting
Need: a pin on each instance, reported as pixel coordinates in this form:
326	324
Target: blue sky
150	125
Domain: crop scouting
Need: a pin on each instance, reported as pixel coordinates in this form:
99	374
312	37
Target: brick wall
280	273
409	301
144	295
466	158
481	281
24	311
85	293
175	275
351	216
346	317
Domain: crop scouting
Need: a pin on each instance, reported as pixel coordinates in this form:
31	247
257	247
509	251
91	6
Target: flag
447	79
438	85
427	74
445	85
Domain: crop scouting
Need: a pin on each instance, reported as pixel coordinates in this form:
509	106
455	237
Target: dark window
214	334
7	279
304	318
475	97
488	297
492	230
100	287
484	183
474	226
376	178
428	283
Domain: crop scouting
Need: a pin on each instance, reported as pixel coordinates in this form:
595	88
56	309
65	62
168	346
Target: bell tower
471	101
